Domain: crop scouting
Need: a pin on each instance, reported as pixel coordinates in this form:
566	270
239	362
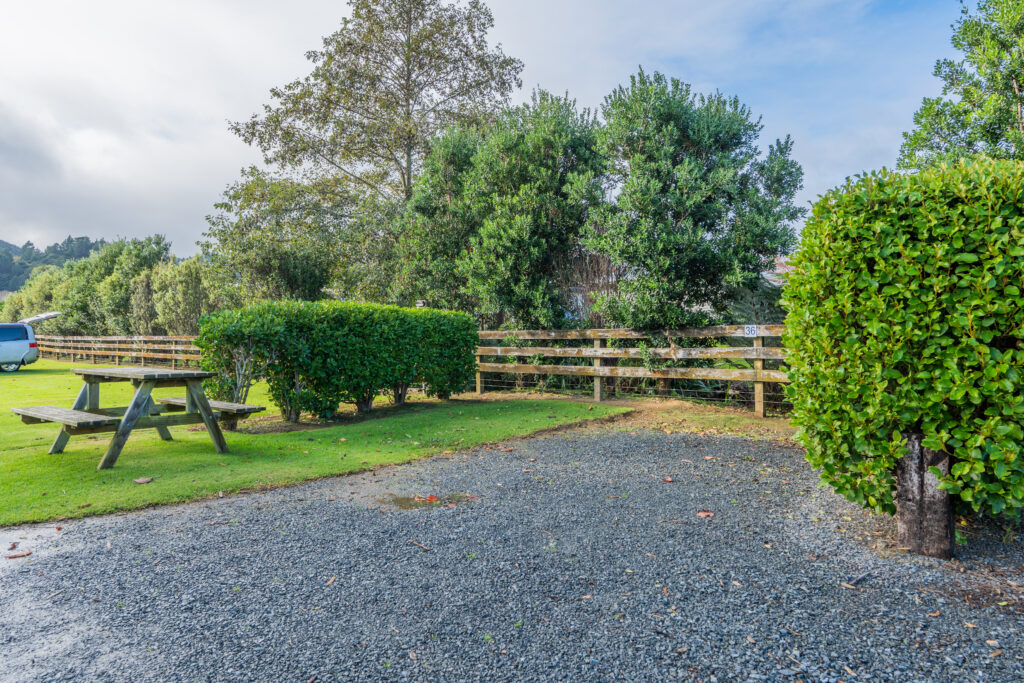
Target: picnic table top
142	374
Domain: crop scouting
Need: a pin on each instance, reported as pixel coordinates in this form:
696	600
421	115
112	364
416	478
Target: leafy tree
94	294
393	75
437	229
981	110
117	288
533	182
143	312
698	212
185	291
278	238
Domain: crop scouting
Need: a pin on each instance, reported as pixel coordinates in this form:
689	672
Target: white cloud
113	113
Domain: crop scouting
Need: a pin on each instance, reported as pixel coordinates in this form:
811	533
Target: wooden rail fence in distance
181	352
757	354
172	351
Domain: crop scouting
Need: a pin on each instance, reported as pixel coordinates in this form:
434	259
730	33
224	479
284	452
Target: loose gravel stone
567	557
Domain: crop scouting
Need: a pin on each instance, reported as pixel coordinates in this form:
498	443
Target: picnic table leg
63	437
195	391
136	409
153	409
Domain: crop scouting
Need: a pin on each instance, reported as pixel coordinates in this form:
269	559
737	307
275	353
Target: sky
114	113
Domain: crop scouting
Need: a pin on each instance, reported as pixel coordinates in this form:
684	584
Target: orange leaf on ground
432	498
22	553
331	580
668	480
527	470
705	513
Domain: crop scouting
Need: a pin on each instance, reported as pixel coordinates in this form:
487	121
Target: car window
13	333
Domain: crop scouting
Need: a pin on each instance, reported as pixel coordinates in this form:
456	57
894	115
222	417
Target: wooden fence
605	368
171	351
605	359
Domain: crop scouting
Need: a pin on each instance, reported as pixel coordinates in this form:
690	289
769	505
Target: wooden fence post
598	343
924	512
479	378
758	386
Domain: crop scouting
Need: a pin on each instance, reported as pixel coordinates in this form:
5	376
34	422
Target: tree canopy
981	109
698	211
395	74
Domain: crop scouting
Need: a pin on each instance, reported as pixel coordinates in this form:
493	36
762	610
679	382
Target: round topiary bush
904	316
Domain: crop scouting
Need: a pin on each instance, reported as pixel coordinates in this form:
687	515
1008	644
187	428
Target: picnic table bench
144	412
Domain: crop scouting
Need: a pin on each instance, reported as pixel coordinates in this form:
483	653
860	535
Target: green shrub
904	315
318	355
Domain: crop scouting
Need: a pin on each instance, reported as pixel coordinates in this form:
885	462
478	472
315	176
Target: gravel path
571	559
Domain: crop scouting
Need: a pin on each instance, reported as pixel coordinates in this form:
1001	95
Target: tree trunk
399	393
924	513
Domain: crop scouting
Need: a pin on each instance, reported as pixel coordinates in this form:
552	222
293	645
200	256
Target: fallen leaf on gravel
59	528
331	580
532	459
849	670
22	553
585	597
737	583
768	545
751	640
413	655
705	513
709	457
668	480
935	613
143	480
527	470
689	461
14	546
996	653
968	624
451	505
848	586
992	643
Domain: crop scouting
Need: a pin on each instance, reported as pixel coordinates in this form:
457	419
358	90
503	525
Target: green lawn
35	486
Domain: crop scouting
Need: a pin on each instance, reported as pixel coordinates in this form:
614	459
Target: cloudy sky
113	113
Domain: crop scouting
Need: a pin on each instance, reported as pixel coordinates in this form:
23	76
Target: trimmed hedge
317	355
905	314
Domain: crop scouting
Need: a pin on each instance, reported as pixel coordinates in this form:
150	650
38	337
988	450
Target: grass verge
35	486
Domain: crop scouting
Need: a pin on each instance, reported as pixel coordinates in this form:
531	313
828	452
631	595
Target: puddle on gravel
417	502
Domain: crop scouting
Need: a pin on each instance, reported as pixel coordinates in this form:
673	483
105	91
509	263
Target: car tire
9	367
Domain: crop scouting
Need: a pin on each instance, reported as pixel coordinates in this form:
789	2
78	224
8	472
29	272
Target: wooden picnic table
87	417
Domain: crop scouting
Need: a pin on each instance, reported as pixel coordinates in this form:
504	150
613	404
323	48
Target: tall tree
698	211
437	229
394	75
279	239
981	109
535	178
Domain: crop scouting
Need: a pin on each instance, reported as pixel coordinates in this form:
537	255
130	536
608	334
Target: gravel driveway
562	557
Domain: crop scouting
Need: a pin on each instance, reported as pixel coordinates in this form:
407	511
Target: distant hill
16	263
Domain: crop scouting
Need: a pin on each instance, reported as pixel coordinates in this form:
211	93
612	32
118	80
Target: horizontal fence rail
605	367
172	351
603	364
